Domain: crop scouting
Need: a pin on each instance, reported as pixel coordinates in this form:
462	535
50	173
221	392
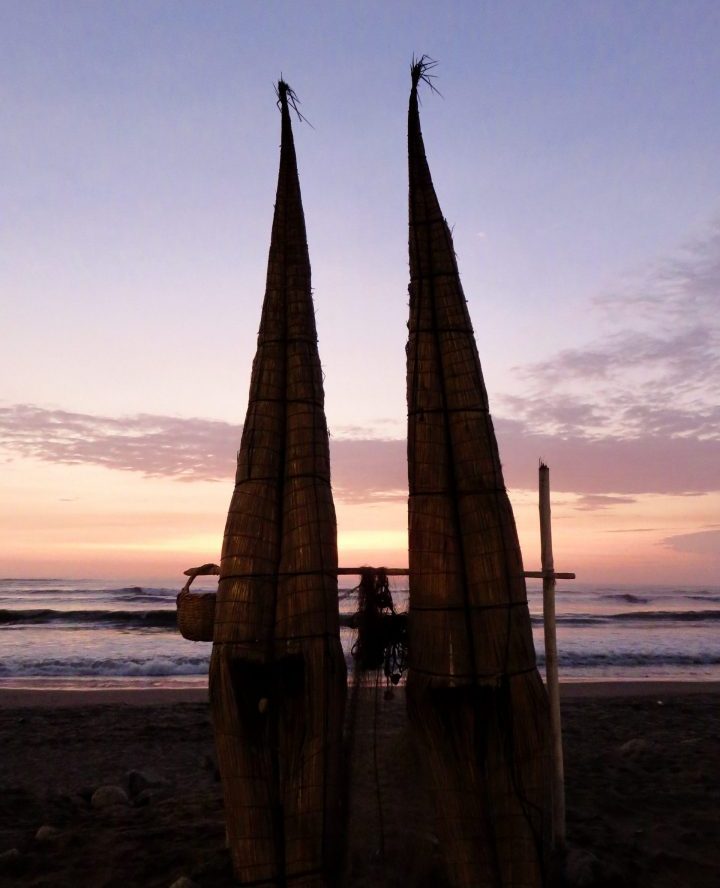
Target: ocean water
88	633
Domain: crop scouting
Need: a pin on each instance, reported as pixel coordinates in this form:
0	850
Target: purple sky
575	153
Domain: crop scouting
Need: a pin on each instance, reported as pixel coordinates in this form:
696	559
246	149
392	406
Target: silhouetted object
475	698
551	661
382	633
277	672
196	611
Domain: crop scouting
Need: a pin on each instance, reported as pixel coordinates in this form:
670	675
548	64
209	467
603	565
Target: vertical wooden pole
551	659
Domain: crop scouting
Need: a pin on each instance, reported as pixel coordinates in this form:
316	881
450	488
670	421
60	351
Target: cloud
369	470
632	530
633	412
703	542
683	284
364	470
583	464
594	501
186	449
676	354
158	446
654	367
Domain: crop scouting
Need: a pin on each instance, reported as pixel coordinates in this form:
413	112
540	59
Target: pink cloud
369	470
591	502
704	542
612	465
186	449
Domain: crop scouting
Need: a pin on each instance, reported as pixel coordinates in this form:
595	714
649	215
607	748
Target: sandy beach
642	773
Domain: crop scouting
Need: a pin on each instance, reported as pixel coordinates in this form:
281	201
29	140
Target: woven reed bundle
277	673
475	697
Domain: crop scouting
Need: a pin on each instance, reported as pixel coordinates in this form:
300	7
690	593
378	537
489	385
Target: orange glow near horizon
85	521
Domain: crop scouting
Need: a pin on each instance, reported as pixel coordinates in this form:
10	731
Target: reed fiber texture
475	697
277	673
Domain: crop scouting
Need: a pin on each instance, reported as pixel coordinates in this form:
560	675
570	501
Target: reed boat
476	701
277	672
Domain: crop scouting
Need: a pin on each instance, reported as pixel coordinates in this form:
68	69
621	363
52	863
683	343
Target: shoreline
44	698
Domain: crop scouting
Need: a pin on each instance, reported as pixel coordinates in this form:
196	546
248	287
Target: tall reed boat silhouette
476	702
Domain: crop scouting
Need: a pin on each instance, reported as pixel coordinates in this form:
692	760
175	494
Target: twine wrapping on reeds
474	694
277	673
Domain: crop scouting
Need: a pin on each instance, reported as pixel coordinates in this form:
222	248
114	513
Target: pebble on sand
9	858
47	833
183	882
105	796
138	781
150	796
635	747
580	867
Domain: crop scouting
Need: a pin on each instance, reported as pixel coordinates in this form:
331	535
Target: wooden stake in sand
551	659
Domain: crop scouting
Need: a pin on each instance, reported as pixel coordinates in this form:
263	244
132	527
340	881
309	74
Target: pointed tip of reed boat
420	69
282	90
287	99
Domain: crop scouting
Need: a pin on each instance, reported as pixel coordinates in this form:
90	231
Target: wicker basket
196	615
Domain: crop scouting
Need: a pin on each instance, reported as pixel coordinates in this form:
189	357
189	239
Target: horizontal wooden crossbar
214	570
405	571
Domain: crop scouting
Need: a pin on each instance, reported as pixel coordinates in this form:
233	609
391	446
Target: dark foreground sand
642	773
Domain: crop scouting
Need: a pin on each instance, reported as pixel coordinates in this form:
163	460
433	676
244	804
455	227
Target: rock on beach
106	796
47	833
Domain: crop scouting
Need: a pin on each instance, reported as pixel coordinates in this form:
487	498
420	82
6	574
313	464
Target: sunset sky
575	155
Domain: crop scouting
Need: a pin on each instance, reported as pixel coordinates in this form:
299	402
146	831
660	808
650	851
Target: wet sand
642	764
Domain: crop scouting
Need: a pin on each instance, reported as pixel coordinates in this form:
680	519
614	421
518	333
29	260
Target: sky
574	152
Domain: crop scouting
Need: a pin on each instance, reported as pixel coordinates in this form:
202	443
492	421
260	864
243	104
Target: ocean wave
159	666
698	616
30	599
76	667
110	598
32	580
166	618
578	659
149	619
69	590
628	597
572	620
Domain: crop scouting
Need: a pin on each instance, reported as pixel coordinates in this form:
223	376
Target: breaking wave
154	619
627	597
93	668
588	659
698	616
